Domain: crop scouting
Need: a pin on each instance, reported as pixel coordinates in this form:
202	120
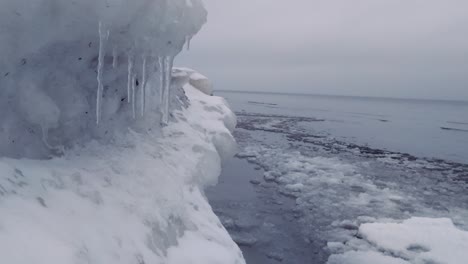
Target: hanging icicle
188	40
143	87
161	80
167	77
114	57
103	37
130	76
133	96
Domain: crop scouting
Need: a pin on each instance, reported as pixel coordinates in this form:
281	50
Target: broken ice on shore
354	206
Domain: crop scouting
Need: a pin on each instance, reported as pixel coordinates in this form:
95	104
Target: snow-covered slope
139	200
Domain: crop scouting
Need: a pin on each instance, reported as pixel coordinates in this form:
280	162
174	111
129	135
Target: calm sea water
424	128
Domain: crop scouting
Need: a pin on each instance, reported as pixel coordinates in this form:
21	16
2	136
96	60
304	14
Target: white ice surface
416	241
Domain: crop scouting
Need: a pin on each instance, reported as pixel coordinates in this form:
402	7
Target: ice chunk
416	240
364	257
199	81
420	240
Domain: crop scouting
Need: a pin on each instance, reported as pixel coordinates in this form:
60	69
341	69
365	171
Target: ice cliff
104	149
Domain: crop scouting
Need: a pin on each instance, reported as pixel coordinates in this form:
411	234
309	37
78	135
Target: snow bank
139	200
416	240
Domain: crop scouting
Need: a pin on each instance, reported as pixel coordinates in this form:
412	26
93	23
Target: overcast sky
394	48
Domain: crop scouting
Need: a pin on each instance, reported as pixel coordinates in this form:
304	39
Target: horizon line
343	95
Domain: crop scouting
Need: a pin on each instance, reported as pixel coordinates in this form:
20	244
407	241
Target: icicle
114	57
161	80
143	87
167	73
133	96
188	39
102	52
130	75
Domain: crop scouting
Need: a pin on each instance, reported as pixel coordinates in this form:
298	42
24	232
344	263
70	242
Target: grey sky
396	48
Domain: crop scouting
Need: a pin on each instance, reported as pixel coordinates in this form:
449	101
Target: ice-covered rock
104	152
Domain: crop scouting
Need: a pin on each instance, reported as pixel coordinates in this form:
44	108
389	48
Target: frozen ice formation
104	151
103	65
198	80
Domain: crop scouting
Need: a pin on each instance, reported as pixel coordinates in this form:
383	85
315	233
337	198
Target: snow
415	240
130	202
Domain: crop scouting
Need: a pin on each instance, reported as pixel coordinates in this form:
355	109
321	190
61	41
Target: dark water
258	217
426	128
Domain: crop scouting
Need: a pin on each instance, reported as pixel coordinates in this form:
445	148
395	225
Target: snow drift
104	150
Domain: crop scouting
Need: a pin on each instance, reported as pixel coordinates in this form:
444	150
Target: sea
311	169
423	128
